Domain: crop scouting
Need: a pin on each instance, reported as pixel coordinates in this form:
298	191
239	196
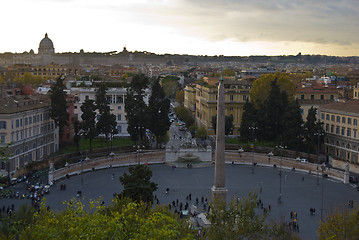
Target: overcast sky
201	27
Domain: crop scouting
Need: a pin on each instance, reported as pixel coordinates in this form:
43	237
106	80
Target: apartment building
27	129
115	98
202	100
342	130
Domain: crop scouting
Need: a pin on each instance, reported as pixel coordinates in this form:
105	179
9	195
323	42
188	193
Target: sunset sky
199	27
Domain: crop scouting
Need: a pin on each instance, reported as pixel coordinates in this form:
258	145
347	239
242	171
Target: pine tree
106	123
58	111
311	128
249	117
158	109
293	125
136	108
88	116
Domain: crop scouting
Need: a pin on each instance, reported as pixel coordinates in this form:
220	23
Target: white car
303	160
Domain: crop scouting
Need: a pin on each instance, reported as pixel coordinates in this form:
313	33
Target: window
21	122
331	97
322	116
354	133
38	118
119	107
322	97
119	129
34	119
343	131
87	97
302	96
231	97
2	138
337	130
12	137
119	117
244	97
327	127
17	123
2	124
312	97
108	99
338	119
30	120
119	99
26	121
333	118
343	119
349	131
349	121
355	122
30	132
231	109
327	117
332	128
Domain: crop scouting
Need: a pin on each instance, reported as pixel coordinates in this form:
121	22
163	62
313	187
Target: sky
195	27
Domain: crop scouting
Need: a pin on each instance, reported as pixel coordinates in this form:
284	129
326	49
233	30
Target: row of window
312	97
342	131
48	74
339	119
28	133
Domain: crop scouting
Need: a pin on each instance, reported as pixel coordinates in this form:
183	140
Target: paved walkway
300	191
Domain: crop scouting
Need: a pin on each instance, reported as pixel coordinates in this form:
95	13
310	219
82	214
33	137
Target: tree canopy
228	124
262	86
137	184
88	123
58	111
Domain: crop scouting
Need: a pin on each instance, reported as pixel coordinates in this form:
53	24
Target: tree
202	133
228	72
228	128
123	219
58	109
340	225
262	86
137	184
77	129
170	85
249	117
88	116
311	128
180	97
185	115
293	125
270	115
158	109
106	123
136	108
239	220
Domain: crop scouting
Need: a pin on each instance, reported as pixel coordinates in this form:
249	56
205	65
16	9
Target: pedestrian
202	199
177	202
291	215
269	207
190	196
196	200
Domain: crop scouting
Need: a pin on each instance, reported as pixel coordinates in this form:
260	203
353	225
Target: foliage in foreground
340	225
122	220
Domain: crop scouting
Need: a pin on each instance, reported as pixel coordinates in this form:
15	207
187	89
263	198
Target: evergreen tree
88	116
58	110
293	125
77	129
249	117
270	114
137	184
106	123
158	109
311	128
228	124
136	108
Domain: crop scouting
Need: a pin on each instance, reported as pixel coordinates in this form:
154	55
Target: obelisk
219	190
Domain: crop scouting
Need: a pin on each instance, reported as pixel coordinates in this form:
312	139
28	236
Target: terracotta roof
350	106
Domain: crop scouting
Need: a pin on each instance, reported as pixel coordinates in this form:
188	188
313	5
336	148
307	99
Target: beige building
342	132
356	91
202	100
26	125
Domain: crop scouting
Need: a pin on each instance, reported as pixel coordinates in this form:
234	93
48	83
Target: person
167	190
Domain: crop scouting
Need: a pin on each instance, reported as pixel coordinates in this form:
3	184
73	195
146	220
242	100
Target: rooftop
350	106
22	103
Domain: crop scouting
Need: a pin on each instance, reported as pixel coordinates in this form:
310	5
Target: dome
46	45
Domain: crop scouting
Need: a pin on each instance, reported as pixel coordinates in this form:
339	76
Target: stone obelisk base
219	194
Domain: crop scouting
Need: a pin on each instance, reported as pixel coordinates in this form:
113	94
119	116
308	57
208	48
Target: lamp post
252	146
269	156
240	151
112	154
322	203
319	134
280	172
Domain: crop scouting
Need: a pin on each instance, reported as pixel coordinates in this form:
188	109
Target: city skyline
230	27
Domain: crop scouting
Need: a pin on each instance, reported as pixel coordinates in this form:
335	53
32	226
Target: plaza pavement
299	190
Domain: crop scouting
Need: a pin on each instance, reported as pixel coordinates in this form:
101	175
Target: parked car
303	160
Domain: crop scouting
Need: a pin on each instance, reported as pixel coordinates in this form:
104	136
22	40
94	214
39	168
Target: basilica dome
46	46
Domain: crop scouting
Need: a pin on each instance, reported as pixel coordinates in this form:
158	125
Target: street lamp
270	154
112	154
240	151
280	172
319	134
322	204
252	146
